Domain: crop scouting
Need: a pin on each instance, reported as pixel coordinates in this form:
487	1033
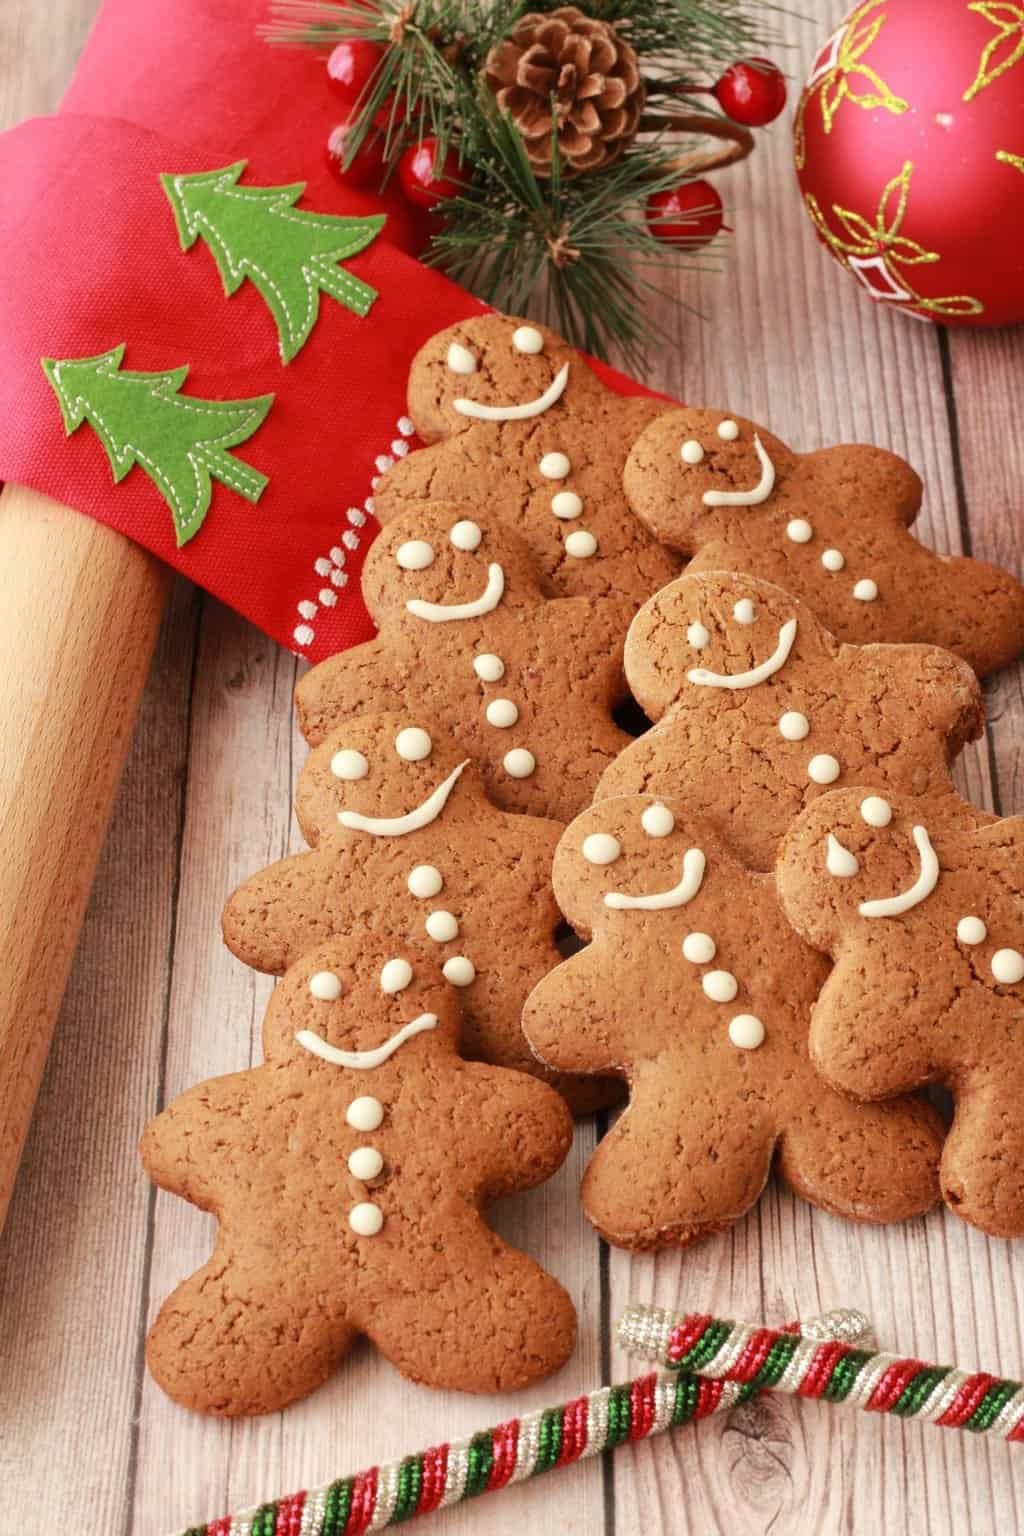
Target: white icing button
502	713
793	726
971	930
526	338
459	970
466	535
839	861
657	821
1008	966
519	763
365	1113
746	1031
876	811
728	431
413	744
865	590
425	881
581	544
442	927
698	636
365	1163
488	667
833	559
699	948
349	764
414	555
366	1219
325	986
601	848
823	769
395	975
566	504
691	452
720	986
555	466
798	531
461	359
744	611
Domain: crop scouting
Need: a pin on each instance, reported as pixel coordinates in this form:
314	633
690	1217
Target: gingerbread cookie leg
868	1162
982	1169
231	1341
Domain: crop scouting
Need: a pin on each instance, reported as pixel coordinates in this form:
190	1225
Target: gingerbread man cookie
760	709
408	847
921	905
697	991
347	1175
469	644
831	527
520	424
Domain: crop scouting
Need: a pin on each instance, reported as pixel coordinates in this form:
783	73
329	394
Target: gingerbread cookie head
494	368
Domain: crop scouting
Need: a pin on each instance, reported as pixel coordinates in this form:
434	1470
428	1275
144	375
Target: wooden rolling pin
80	608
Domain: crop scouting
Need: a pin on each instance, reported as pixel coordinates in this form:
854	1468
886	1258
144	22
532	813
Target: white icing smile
550	397
364	1061
441	613
892	906
761	491
758	674
412	821
686	889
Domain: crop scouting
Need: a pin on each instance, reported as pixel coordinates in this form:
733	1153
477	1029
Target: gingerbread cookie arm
939	688
362	680
862	479
286	909
573	1022
528	1128
434	473
181	1148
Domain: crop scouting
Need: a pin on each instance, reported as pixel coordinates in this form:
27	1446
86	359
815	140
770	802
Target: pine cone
573	71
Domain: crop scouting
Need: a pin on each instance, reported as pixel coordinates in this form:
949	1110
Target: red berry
367	165
351	66
690	214
752	92
424	186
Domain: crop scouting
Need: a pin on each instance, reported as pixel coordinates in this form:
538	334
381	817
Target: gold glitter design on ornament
1008	159
879	248
843	63
1001	52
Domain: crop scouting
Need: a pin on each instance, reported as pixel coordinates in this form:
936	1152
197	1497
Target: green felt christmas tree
291	255
179	441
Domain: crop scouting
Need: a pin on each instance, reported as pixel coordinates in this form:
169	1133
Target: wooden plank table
155	1003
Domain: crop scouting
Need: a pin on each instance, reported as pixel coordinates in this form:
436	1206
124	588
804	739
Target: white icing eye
466	535
728	431
519	763
413	744
876	811
823	769
365	1163
746	1032
442	927
698	636
395	976
839	861
349	764
865	590
488	667
459	971
657	820
793	726
366	1219
744	611
581	544
971	930
601	848
699	948
799	531
461	359
365	1113
566	504
720	986
502	713
691	452
425	881
526	338
414	555
555	466
1008	967
325	986
833	559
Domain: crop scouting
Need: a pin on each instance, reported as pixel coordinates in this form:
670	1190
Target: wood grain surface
155	1003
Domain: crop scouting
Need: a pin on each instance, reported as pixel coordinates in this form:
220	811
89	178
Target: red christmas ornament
910	155
690	214
366	169
751	92
351	66
424	186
